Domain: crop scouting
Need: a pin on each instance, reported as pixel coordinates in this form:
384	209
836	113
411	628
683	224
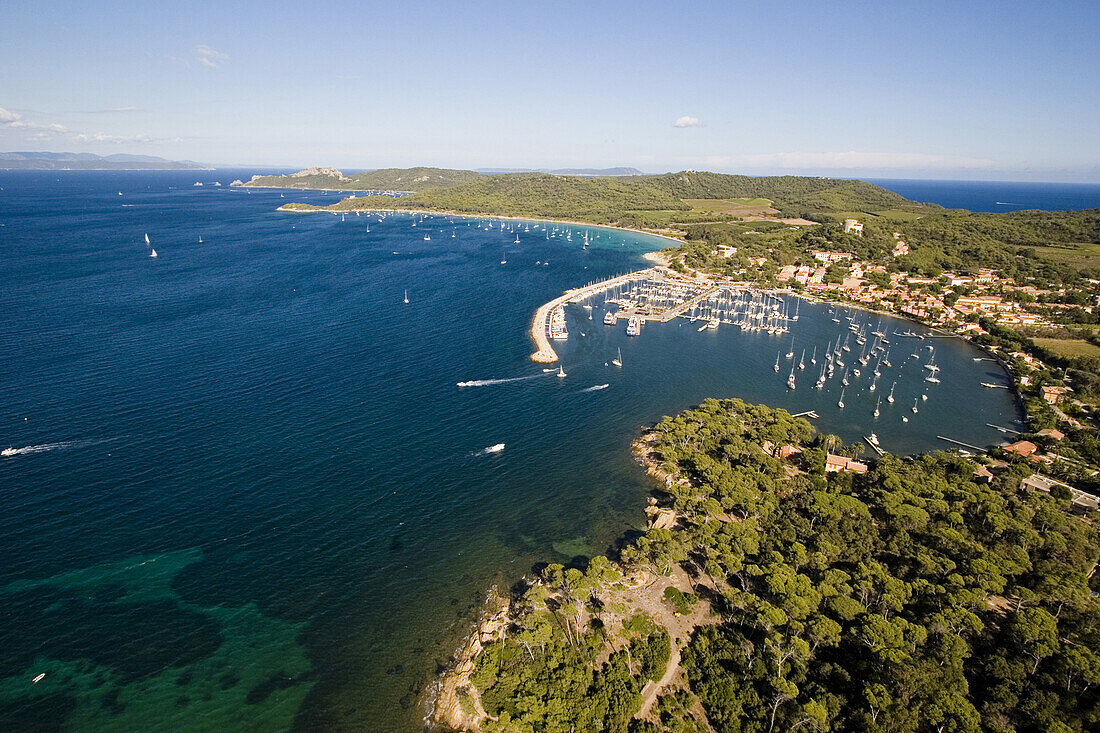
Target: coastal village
966	305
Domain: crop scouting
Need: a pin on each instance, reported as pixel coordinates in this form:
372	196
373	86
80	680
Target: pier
965	445
659	295
540	327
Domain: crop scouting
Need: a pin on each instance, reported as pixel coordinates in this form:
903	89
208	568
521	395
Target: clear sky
981	90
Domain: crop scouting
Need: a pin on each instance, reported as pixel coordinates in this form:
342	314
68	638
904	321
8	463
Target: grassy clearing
1069	347
1080	256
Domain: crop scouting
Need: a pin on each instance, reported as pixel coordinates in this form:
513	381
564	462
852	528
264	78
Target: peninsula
783	584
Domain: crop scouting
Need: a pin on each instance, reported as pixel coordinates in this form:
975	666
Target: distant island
654	201
41	161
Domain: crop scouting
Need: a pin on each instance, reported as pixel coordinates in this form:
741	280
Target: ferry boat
634	326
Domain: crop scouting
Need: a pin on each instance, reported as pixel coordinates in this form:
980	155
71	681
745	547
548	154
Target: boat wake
595	388
46	447
491	382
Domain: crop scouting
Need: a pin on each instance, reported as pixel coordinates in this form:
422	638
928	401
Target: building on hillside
725	250
1055	395
983	304
830	257
901	249
1022	447
834	463
853	225
785	273
787	451
1052	433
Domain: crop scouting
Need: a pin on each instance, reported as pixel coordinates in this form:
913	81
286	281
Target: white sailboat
840	402
152	252
561	372
147	238
406	296
619	361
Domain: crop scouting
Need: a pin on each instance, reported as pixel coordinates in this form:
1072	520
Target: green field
1081	256
1069	347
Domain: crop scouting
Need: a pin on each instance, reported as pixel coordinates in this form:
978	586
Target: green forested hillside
911	598
794	195
576	196
961	240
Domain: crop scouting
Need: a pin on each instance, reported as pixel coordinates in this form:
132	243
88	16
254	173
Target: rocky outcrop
660	517
458	705
327	172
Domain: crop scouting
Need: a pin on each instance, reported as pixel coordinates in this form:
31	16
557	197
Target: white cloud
37	131
686	121
209	57
22	124
102	137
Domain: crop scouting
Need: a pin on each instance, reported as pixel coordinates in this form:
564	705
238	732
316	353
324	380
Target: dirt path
680	629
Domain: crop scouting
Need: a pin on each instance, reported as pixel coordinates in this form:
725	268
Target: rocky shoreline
457	705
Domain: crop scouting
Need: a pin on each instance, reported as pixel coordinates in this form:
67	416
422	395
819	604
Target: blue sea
997	196
247	491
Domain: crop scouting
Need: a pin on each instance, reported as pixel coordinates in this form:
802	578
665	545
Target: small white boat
561	371
619	361
406	296
147	239
873	440
152	253
495	448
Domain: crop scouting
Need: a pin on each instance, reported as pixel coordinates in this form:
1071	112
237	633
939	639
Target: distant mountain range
90	162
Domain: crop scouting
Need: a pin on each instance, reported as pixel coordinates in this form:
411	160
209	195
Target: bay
249	491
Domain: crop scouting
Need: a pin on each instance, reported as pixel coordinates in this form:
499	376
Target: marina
659	295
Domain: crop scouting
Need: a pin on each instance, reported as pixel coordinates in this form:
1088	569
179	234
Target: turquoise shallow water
255	496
